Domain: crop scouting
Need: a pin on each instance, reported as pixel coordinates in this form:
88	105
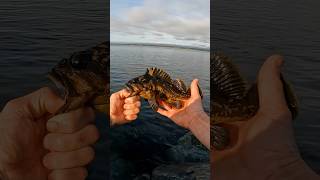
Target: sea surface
35	35
140	144
251	30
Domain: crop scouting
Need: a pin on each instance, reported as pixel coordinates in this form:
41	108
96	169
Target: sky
180	22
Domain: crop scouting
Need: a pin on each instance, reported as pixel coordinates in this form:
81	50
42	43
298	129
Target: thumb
124	93
42	102
270	87
194	88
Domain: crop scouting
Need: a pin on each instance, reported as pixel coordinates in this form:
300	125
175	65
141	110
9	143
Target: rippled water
251	30
35	35
151	133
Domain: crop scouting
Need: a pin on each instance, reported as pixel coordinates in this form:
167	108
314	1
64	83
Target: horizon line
162	45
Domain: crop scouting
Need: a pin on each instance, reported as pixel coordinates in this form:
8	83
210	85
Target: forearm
3	175
296	171
200	128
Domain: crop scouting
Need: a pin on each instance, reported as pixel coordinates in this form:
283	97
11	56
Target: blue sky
182	22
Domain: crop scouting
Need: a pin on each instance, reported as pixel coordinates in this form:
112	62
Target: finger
270	87
132	105
124	93
63	160
38	103
131	100
131	117
79	173
166	106
131	111
163	112
70	142
195	89
72	121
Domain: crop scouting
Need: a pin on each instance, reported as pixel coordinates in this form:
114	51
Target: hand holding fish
191	116
123	109
263	147
24	141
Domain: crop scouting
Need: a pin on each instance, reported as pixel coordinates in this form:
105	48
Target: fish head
139	85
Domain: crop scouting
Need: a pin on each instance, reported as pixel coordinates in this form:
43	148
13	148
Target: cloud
186	21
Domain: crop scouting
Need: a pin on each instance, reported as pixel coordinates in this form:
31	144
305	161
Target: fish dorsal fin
226	80
180	84
159	73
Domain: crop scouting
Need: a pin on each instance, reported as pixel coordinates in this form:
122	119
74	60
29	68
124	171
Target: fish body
233	99
156	86
84	77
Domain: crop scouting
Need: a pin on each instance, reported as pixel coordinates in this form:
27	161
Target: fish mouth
129	88
57	79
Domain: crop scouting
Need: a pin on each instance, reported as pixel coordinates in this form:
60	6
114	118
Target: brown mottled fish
156	86
84	77
233	100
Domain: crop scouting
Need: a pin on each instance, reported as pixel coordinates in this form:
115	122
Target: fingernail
277	59
52	126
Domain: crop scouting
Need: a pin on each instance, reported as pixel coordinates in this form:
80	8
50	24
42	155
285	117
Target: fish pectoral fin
153	103
176	104
180	84
220	137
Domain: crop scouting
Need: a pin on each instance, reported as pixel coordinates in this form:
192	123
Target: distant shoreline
161	45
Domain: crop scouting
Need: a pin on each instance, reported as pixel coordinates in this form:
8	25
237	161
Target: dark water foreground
251	30
153	140
35	35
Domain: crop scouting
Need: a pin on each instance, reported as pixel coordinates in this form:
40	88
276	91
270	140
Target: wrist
196	117
296	170
3	175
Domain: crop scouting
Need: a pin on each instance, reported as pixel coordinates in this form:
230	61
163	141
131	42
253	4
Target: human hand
22	131
69	139
191	116
123	109
190	110
264	145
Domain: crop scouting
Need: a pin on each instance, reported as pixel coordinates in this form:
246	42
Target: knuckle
14	103
55	175
55	142
90	113
82	138
71	123
83	173
46	90
89	135
88	154
47	161
138	104
283	114
94	132
47	141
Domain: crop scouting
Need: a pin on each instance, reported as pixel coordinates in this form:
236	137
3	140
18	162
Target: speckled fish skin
233	100
84	77
156	85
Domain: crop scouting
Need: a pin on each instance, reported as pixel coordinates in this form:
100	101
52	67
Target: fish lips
128	87
57	79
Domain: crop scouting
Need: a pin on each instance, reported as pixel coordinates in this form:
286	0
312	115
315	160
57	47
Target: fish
84	79
234	99
157	87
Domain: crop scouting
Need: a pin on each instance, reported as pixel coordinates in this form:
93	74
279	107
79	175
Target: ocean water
249	31
140	144
35	35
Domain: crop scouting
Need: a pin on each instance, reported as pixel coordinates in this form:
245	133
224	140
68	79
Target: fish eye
80	60
75	62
